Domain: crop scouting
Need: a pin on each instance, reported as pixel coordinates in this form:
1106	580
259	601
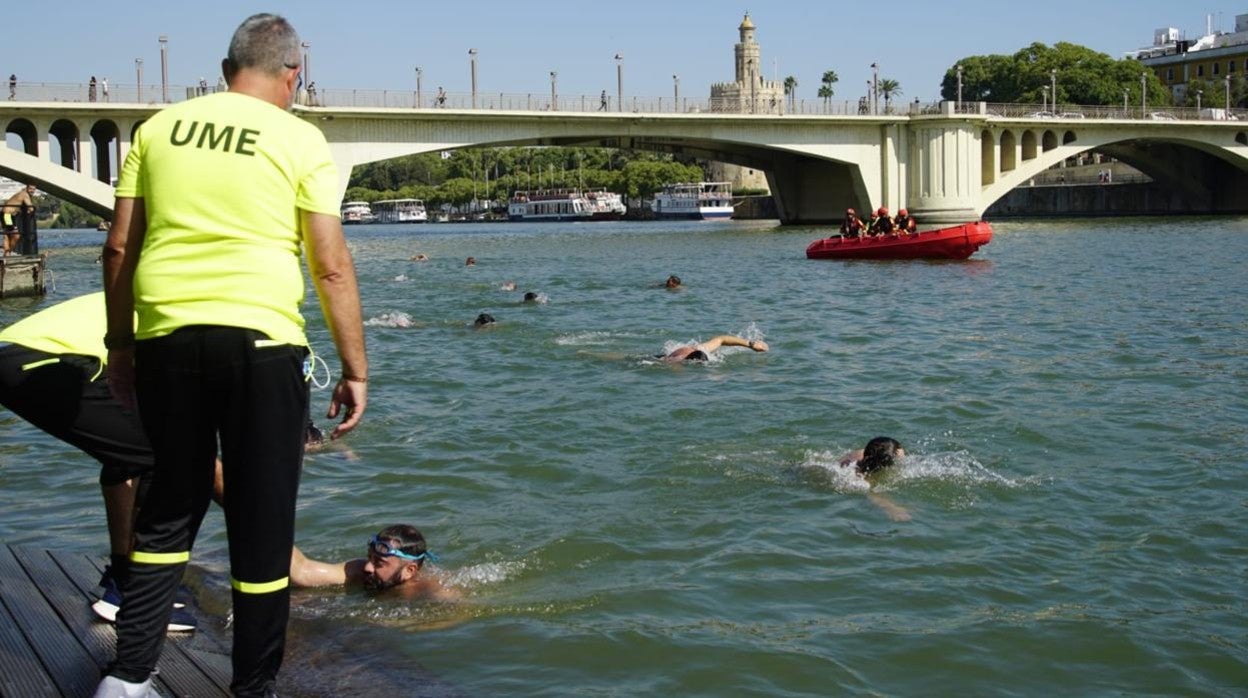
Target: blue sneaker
106	607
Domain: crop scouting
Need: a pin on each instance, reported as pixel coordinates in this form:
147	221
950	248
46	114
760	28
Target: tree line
460	176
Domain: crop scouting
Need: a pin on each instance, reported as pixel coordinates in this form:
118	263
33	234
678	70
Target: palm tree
829	79
790	90
889	88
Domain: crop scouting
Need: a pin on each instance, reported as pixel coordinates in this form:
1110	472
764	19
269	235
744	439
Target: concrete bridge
945	162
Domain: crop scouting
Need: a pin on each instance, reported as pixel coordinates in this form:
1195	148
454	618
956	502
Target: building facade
1215	61
750	93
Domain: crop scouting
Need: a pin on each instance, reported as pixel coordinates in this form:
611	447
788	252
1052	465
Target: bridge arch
987	158
106	139
1048	141
66	134
1029	145
1009	152
25	130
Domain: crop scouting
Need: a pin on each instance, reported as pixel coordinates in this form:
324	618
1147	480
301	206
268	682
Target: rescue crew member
904	222
216	199
881	224
851	227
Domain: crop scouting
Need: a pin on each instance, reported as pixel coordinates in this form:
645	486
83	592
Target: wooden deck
52	644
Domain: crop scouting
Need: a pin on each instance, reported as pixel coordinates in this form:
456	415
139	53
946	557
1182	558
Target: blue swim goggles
381	548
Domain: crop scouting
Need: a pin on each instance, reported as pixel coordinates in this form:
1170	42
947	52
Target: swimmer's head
697	355
483	319
530	297
313	436
879	453
394	556
470	261
673	281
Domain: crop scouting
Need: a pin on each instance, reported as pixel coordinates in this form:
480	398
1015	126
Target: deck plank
69	666
21	673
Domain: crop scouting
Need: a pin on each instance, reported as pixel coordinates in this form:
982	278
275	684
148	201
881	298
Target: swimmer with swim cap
879	453
394	560
483	320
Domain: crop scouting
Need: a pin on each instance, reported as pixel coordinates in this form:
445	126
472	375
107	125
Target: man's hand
121	377
350	398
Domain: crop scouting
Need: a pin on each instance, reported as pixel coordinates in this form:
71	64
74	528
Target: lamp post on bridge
619	81
1143	93
875	88
164	68
138	79
419	74
1199	94
959	69
676	93
1125	92
554	90
472	57
1228	96
307	64
1053	88
1044	90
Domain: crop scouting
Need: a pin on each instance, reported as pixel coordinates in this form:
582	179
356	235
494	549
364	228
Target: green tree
1083	76
790	90
889	88
829	79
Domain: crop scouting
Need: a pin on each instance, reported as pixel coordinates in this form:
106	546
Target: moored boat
565	205
694	201
956	242
400	211
357	212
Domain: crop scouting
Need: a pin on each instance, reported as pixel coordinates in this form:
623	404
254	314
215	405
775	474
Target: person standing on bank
217	197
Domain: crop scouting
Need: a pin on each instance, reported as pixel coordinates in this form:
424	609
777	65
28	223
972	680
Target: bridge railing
150	94
1132	112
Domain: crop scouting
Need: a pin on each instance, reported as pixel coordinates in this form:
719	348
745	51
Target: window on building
1230	66
1200	71
1217	68
1169	75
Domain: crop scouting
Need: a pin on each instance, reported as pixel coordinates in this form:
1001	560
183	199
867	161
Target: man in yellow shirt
217	199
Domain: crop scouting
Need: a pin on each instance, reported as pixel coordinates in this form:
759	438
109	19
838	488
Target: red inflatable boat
958	242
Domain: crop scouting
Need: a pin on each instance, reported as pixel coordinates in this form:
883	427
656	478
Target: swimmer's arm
852	457
306	572
731	340
895	511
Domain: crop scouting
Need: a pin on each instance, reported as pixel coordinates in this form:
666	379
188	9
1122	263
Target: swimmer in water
879	453
470	262
702	351
508	286
394	559
531	297
672	282
483	320
422	257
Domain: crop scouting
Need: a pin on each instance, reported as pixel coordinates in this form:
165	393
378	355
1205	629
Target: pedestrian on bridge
104	88
91	86
12	86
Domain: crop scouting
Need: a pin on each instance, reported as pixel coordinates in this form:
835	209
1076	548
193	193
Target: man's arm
333	274
731	340
306	572
895	511
120	257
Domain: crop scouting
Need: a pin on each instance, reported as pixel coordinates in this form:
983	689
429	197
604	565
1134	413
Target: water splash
397	319
402	277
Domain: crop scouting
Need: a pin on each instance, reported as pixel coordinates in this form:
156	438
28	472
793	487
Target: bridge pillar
809	190
944	171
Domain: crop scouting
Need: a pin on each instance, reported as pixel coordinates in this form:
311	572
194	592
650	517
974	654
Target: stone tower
751	92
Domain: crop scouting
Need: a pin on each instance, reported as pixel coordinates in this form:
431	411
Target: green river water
1073	400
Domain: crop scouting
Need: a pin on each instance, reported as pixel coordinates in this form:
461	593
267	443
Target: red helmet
902	212
849	212
882	212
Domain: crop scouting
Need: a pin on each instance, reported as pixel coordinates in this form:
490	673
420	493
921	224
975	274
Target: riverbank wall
1096	199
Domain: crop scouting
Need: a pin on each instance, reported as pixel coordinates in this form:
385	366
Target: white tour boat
694	201
400	211
565	205
356	212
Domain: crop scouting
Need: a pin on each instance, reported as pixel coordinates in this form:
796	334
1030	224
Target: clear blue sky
378	44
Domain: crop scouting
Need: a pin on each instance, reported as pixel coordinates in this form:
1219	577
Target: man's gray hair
264	42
